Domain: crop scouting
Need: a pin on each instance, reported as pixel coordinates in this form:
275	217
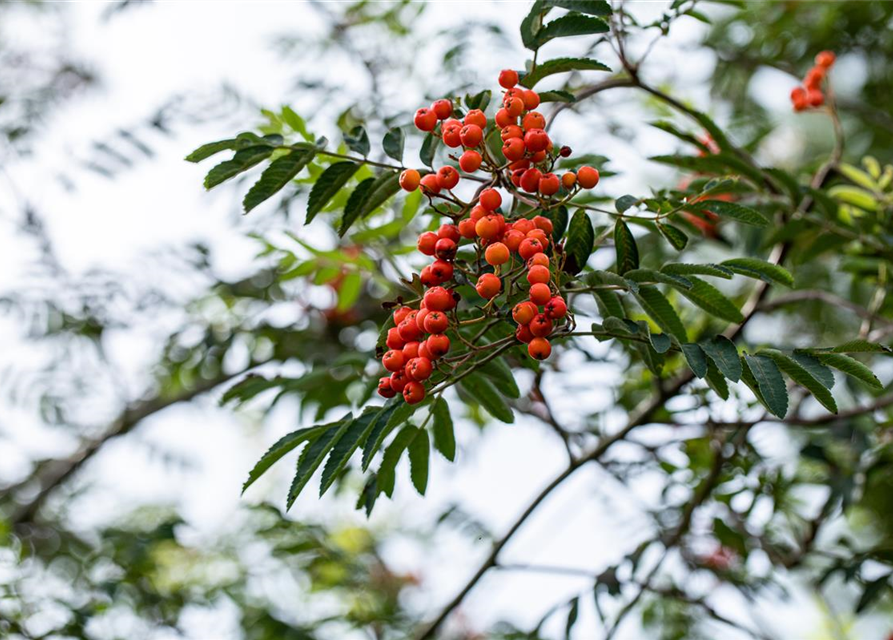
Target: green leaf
531	24
387	472
766	271
579	243
872	591
327	186
365	199
625	245
479	100
561	65
572	614
732	210
354	203
801	376
724	354
559	218
358	141
609	304
399	416
696	359
670	128
674	235
625	202
482	390
662	312
815	368
498	371
313	455
651	276
393	144
716	381
557	96
243	160
276	176
349	291
860	346
572	24
419	453
680	269
851	367
429	148
591	7
770	383
711	300
353	437
444	435
280	448
295	122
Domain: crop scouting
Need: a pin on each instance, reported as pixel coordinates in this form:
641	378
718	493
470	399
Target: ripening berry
539	349
524	225
515	107
565	151
436	322
508	78
393	360
394	341
536	140
542	222
531	99
411	350
443	109
587	177
447	177
477	117
398	380
490	199
409	330
530	180
445	249
530	246
466	228
430	186
384	388
568	180
425	119
524	312
523	334
496	254
538	273
540	259
540	235
549	184
541	325
401	313
513	240
413	392
511	131
487	227
452	135
471	135
470	161
409	180
556	308
488	286
504	118
513	149
419	369
815	98
540	293
478	212
533	120
437	346
442	270
438	299
426	243
825	59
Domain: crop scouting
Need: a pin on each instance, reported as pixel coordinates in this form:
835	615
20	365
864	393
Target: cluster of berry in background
810	94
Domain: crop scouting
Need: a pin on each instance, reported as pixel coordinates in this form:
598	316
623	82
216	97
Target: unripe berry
508	78
452	135
539	349
490	199
504	118
409	180
476	116
496	254
445	249
531	99
568	180
438	299
384	388
513	149
393	360
536	140
426	243
394	341
524	312
538	273
530	246
825	59
549	184
471	135
437	345
530	180
442	270
398	380
430	185
443	109
419	369
487	227
447	177
466	228
515	107
556	308
411	350
540	293
538	259
541	325
542	222
488	286
401	313
523	334
533	120
425	119
470	161
513	240
413	392
511	131
587	177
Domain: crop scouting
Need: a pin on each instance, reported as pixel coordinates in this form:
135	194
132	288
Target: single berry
516	176
587	177
524	312
540	293
411	350
470	161
437	346
815	98
531	99
430	185
524	225
513	240
471	135
513	149
398	380
569	179
420	322
409	330
540	235
511	131
814	78
452	135
478	212
466	228
533	120
413	392
436	322
450	231
428	277
425	119
530	180
538	273
542	222
556	308
419	369
530	246
508	78
409	180
565	151
825	59
447	177
487	227
384	388
445	249
393	360
540	259
490	199
443	109
523	334
539	349
515	107
536	140
504	118
442	270
549	184
541	325
426	243
488	286
394	341
438	299
401	313
477	117
496	254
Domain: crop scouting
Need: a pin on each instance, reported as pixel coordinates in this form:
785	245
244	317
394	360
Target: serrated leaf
760	269
579	243
354	203
243	160
732	210
801	376
357	140
531	24
724	354
661	311
429	148
327	186
572	24
368	196
419	454
444	434
559	218
393	144
280	172
482	390
399	416
609	304
815	368
387	471
282	447
696	359
770	383
498	371
557	95
625	202
625	245
673	130
561	65
591	7
716	381
650	275
851	367
680	269
241	141
860	346
711	300
674	235
353	437
313	455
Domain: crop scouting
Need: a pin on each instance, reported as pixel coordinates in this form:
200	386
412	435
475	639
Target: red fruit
536	140
420	319
471	135
531	99
508	78
413	392
529	247
524	225
423	350
515	107
541	325
533	120
568	180
419	369
538	157
436	322
394	341
530	180
447	177
443	109
398	381
538	273
504	118
426	243
565	151
425	119
523	163
540	293
409	330
524	312
445	249
393	360
825	59
490	199
430	185
587	177
384	388
409	180
478	212
450	231
470	161
511	131
814	78
488	286
466	228
539	349
437	346
540	235
516	176
401	313
540	259
438	299
411	350
513	149
549	184
798	93
496	254
542	222
513	240
556	308
428	277
477	117
487	227
523	334
452	135
815	98
442	270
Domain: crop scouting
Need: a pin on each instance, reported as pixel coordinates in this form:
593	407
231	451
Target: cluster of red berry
508	246
810	94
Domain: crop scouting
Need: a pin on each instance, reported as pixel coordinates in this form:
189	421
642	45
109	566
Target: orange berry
815	98
523	334
536	140
515	107
401	313
438	299
452	135
409	180
426	243
466	228
540	293
533	120
539	349
511	131
825	59
496	254
488	286
538	273
476	117
470	161
504	118
531	99
393	360
524	312
540	259
513	240
524	225
430	184
487	227
587	177
556	308
542	222
569	179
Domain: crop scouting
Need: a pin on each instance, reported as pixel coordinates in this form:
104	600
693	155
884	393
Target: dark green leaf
313	455
724	354
354	437
711	300
661	311
680	269
531	24
482	390
444	435
387	471
429	148
760	269
695	358
354	204
557	96
572	24
572	613
860	346
815	368
243	160
674	235
625	202
801	376
328	185
591	7
561	65
559	218
393	144
479	100
851	367
770	383
358	141
732	210
368	196
716	381
399	416
419	453
498	371
873	590
281	447
625	245
652	276
579	243
280	172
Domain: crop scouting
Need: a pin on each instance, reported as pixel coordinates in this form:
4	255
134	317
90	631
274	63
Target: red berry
384	388
476	116
490	199
487	227
516	176
538	259
426	243
524	225
523	334
496	254
513	149
536	140
540	293
540	235
533	120
425	119
538	273
411	350
531	99
430	185
393	360
565	151
452	135
413	392
437	345
443	109
423	350
401	313
508	78
513	240
428	277
450	231
394	341
488	286
504	118
471	135
420	318
511	131
814	78
466	228
587	177
438	299
815	98
556	308
398	380
409	330
470	161
524	312
530	180
409	180
478	212
825	59
530	246
539	349
541	325
436	322
549	184
447	177
419	369
442	270
542	222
